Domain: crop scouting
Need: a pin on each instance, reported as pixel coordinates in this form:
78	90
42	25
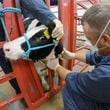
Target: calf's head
39	35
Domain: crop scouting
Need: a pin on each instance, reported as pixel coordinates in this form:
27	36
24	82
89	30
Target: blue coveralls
89	90
33	9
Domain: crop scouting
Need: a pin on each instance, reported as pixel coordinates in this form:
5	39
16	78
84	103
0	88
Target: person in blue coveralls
31	9
89	90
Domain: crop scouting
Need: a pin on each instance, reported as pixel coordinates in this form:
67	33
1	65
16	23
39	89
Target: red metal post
73	29
68	12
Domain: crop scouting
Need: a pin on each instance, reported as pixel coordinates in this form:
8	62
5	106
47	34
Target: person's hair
97	17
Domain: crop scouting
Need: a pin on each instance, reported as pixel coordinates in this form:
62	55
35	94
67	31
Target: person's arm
54	65
63	72
80	55
38	9
87	56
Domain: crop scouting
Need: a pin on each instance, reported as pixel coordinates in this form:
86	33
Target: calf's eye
42	38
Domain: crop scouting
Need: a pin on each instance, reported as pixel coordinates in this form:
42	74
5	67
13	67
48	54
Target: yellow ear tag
46	33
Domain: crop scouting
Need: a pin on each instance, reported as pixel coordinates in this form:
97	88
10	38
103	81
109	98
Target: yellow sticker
46	33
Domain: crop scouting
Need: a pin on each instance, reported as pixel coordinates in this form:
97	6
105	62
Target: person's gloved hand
67	54
53	64
58	30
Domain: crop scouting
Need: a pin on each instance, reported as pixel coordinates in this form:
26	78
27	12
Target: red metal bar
7	77
79	34
91	1
11	20
83	6
12	100
68	10
96	1
26	82
44	99
72	33
84	67
83	47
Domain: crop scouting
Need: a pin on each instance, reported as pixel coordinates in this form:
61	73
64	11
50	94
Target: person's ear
106	39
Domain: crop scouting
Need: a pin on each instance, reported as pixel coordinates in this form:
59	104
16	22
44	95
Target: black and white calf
39	36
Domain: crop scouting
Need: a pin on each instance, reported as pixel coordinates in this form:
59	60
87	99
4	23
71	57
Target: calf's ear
58	49
51	25
32	24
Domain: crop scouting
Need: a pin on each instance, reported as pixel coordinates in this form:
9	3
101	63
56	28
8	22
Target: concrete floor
55	103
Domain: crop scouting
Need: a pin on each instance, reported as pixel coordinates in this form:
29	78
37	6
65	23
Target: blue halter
26	54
